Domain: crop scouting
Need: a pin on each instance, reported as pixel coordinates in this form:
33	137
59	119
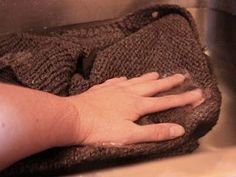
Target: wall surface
224	5
24	15
21	15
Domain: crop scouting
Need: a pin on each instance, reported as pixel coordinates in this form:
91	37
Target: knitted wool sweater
69	60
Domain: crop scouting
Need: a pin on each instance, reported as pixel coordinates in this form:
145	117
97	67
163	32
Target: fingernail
176	131
198	103
181	76
198	92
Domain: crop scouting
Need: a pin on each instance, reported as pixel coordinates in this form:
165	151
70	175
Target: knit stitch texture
69	60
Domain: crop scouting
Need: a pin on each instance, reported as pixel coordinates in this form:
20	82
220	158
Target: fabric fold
69	60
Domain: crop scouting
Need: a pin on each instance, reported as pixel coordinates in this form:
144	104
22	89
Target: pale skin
32	121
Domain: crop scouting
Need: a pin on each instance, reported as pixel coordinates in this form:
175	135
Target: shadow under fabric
69	60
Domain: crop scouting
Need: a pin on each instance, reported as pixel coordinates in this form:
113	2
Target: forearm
31	121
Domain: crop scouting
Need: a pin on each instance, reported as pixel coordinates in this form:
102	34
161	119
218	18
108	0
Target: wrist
80	117
67	119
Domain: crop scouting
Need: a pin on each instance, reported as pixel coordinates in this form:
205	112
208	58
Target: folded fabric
69	60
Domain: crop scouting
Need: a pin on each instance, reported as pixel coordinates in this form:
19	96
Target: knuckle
138	104
94	87
155	74
162	132
174	99
123	77
127	140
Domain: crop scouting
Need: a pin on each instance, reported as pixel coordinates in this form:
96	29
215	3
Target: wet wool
69	60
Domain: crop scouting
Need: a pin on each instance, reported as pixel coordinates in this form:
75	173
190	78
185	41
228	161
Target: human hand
106	112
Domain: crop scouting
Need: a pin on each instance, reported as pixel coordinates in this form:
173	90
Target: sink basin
217	29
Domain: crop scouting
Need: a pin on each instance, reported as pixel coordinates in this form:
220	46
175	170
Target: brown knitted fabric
69	60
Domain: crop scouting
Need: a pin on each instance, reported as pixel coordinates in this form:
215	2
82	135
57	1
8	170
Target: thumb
155	132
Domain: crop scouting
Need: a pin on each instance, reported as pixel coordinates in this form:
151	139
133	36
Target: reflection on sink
217	30
221	163
219	34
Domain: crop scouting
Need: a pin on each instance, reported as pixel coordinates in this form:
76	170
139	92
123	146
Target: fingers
156	104
197	103
155	132
115	80
145	85
109	82
153	87
125	82
145	77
